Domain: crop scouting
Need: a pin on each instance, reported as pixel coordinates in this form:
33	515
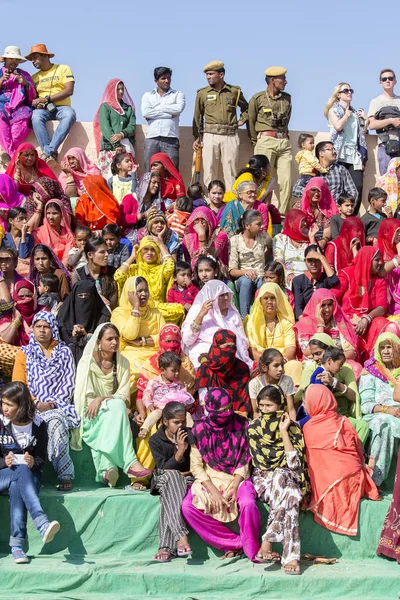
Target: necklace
271	331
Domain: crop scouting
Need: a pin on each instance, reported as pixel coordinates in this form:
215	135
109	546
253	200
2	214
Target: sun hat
40	49
12	52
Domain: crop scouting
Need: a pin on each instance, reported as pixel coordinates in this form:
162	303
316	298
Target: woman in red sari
389	247
339	477
97	207
318	204
341	252
363	297
26	167
15	329
171	181
389	543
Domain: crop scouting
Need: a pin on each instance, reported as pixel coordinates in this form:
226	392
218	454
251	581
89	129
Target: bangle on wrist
334	382
143	340
125	264
383	408
395	262
368	317
135	313
195	327
345	389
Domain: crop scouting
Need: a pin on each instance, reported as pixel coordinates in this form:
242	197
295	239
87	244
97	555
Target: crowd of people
186	335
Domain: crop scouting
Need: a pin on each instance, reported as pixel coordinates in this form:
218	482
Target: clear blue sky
319	43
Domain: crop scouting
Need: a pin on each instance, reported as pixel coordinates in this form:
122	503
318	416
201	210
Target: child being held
183	291
76	256
346	209
123	181
279	476
309	165
272	372
178	218
155	394
117	251
48	290
196	194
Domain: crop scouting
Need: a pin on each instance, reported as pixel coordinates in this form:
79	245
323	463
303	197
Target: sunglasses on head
389	78
347	91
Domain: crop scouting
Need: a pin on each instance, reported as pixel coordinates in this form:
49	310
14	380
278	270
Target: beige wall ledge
81	135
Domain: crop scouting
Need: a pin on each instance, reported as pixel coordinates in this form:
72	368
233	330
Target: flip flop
64	485
273	558
167	553
297	570
184	553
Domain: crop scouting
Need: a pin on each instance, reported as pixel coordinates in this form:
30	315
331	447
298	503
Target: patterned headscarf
224	370
51	379
267	448
49	189
389	183
375	364
220	436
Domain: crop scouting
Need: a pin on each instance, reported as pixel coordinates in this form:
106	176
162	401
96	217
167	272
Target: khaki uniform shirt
219	107
263	107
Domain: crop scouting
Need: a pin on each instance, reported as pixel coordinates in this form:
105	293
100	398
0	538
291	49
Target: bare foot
292	568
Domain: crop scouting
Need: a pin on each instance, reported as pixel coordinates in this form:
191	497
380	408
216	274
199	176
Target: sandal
163	556
111	477
139	474
184	550
64	485
232	554
291	569
269	557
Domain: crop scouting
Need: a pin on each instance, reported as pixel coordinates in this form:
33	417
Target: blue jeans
23	488
246	289
168	145
67	117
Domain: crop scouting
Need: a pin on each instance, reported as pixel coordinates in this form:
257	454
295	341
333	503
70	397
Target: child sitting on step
23	449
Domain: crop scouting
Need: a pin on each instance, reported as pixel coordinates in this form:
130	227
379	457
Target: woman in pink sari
75	167
17	91
56	232
204	237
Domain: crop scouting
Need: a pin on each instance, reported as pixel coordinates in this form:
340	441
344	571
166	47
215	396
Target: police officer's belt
221	129
276	134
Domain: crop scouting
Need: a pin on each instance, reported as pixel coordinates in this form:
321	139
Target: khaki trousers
279	153
220	151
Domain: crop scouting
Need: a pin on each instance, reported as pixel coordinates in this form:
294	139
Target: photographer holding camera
269	116
54	86
390	125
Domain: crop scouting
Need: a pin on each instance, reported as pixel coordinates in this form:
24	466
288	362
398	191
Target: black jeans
357	177
168	145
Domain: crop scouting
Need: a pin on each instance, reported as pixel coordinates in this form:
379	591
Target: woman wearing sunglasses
347	128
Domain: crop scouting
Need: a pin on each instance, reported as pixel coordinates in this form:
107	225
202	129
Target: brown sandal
65	485
232	554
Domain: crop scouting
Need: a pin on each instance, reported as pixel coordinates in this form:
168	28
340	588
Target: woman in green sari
101	400
347	398
380	402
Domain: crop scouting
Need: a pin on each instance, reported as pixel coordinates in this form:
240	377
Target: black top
303	289
37	446
163	451
371	225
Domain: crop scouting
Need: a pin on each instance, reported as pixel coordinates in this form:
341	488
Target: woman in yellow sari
152	261
139	324
270	325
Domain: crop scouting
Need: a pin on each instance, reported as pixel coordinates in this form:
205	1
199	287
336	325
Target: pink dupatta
60	243
87	168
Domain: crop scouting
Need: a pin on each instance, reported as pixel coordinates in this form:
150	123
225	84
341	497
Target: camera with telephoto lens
279	121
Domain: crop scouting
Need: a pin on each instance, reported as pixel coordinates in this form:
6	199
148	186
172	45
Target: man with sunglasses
337	176
387	78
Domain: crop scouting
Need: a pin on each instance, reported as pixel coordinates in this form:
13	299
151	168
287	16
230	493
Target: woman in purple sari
17	91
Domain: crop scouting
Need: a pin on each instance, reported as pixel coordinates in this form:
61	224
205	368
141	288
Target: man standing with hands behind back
216	106
54	86
269	116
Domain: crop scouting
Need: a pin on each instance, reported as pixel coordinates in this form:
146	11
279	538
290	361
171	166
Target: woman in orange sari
96	207
339	477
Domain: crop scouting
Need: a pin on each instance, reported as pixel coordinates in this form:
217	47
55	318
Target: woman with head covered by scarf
212	310
339	477
389	247
114	125
222	491
223	369
171	181
318	204
204	237
75	167
341	252
25	168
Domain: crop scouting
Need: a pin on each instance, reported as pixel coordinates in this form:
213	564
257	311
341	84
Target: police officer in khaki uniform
269	116
216	107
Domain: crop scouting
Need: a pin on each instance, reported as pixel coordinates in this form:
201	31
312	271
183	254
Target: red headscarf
359	276
386	234
172	187
352	228
326	204
27	308
97	207
41	167
307	324
291	226
110	97
60	243
223	369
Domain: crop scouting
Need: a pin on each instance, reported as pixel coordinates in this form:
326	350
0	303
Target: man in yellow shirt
54	86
